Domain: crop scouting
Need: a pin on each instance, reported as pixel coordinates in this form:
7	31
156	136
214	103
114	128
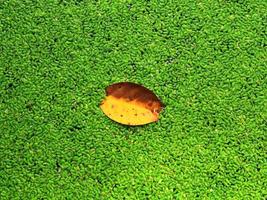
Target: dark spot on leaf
157	110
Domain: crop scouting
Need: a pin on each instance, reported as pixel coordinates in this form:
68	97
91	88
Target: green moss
205	60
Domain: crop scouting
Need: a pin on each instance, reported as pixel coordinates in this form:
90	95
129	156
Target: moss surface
205	59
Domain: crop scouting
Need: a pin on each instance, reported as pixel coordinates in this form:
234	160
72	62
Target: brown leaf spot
150	104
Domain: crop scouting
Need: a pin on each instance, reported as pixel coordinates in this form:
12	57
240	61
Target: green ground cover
206	60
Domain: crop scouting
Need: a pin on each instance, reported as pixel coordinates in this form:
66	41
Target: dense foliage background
206	60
